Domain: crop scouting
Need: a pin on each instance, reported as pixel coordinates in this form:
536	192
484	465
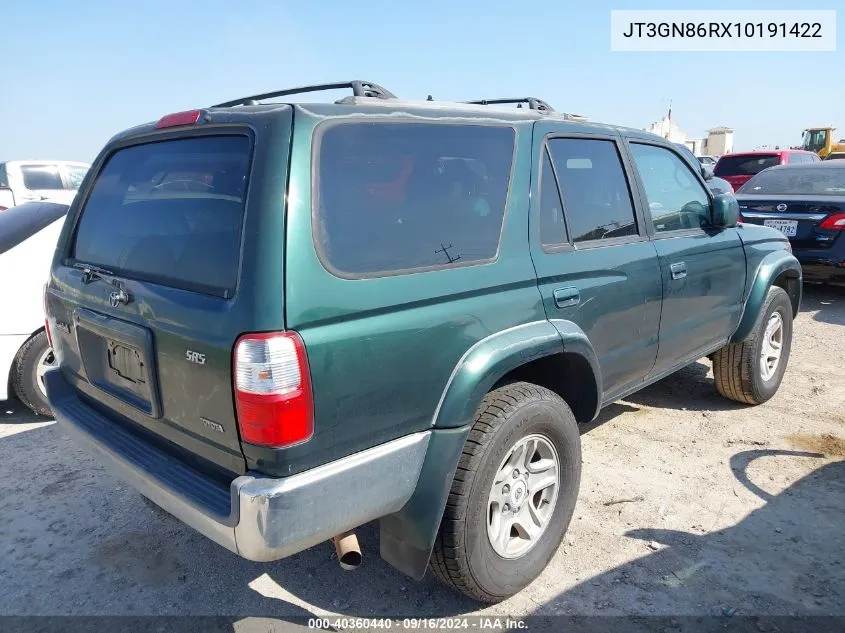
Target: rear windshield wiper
93	273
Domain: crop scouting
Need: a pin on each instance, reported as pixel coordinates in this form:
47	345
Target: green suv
280	322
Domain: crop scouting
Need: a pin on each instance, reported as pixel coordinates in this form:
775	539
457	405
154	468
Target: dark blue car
806	202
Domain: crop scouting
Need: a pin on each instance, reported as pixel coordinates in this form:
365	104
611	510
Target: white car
28	235
27	180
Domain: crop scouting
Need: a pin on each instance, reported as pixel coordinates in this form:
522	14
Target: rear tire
30	363
741	372
478	512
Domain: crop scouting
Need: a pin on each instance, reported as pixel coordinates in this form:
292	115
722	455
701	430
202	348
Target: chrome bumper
268	518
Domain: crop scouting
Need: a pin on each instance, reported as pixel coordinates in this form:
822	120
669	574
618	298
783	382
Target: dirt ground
689	505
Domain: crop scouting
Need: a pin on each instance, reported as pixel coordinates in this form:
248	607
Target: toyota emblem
781	207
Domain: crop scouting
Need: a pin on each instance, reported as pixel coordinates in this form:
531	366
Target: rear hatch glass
169	212
162	227
747	165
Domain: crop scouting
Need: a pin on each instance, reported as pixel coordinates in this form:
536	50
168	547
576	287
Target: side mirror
725	213
707	172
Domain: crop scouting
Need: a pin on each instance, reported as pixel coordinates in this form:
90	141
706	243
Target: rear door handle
565	297
678	270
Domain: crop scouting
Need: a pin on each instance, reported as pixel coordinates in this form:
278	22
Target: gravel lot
690	505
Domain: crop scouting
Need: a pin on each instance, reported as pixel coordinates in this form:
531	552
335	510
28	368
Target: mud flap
407	537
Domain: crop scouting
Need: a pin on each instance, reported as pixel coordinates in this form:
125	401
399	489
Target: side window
596	197
676	199
75	175
397	196
552	224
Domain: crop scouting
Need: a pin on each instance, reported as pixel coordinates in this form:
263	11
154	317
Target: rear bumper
822	267
259	518
824	273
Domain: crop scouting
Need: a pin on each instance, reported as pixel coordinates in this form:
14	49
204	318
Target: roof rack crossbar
533	103
359	89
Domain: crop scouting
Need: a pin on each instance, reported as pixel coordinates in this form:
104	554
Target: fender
773	265
407	537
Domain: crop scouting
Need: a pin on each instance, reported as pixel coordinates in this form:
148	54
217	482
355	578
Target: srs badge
195	357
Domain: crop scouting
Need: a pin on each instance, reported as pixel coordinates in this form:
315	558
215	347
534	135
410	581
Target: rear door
595	265
150	343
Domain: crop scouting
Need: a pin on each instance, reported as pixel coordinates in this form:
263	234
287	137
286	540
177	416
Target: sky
75	73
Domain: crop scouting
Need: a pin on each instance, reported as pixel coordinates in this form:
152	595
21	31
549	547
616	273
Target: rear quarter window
401	197
169	212
75	176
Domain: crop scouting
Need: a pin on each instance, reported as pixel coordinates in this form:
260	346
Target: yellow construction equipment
820	141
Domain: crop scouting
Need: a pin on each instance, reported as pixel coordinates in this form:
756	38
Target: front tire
513	494
31	362
751	372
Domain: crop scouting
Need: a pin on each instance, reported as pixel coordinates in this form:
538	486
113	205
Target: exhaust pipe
348	551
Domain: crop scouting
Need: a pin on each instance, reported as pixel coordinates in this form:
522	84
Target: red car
738	168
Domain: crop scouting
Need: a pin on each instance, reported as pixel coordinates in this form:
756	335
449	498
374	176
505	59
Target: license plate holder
119	359
126	362
787	227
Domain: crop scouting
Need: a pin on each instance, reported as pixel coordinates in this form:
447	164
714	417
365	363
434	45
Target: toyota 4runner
280	322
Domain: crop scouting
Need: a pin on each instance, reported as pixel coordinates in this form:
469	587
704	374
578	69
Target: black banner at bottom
562	624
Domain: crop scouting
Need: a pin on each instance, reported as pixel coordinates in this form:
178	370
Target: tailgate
145	335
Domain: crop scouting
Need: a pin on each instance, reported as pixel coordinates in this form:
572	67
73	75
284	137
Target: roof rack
533	103
359	89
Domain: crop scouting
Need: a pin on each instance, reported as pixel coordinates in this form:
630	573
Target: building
668	130
697	145
720	140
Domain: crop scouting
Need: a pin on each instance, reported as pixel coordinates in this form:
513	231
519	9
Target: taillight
835	222
190	117
273	396
47	318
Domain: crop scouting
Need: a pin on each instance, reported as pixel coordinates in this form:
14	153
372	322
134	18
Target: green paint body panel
767	261
394	355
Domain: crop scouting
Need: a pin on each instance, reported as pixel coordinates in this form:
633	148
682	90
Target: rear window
42	177
820	181
745	165
394	197
169	212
